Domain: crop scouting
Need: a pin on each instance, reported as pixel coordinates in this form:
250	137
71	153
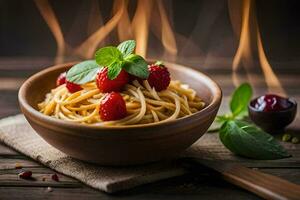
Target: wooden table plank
7	163
4	150
189	186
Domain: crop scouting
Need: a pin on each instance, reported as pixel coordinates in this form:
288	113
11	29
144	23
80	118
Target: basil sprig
115	59
244	138
122	57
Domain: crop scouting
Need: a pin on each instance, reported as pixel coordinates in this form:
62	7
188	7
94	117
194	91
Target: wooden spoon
262	184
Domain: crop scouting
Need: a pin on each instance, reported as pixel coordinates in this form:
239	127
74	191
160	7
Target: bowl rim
212	106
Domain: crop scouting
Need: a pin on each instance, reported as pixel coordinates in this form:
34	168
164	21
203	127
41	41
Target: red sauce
271	102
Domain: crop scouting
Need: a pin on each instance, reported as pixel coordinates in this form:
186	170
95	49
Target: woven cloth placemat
16	132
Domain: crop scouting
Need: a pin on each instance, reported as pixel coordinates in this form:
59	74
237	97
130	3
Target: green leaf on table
114	70
83	72
137	66
240	99
247	140
127	47
108	55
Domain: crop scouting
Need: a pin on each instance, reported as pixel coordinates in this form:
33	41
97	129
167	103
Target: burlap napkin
17	133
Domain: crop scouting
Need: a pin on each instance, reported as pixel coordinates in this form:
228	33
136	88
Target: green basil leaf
137	66
107	55
127	47
240	99
83	72
114	70
247	140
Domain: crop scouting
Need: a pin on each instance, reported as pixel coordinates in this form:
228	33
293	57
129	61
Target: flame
243	52
270	77
88	47
167	34
140	25
95	17
250	41
124	26
51	20
138	28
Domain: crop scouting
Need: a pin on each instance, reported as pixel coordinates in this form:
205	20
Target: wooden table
204	184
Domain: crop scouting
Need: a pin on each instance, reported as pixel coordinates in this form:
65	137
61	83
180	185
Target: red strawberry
73	87
61	79
106	85
112	107
159	77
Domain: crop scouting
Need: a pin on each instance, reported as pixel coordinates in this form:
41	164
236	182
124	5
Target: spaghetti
144	104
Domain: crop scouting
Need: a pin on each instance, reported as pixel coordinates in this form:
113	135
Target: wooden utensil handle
264	185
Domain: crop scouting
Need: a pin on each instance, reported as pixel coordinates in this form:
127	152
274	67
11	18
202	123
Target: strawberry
73	87
61	79
159	77
112	107
106	85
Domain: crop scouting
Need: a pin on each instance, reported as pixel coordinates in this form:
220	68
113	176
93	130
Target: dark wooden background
201	184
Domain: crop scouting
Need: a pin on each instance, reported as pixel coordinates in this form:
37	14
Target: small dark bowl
273	121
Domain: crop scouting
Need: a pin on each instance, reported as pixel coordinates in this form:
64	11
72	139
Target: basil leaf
247	140
240	99
107	55
137	66
114	70
83	72
126	47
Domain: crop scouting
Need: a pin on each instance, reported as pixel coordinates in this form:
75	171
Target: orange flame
249	32
140	25
167	34
124	26
95	17
51	20
88	47
137	29
243	53
270	77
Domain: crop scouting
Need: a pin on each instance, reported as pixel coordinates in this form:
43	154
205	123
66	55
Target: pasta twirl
143	103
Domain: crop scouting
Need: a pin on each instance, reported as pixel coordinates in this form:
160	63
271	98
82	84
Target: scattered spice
18	166
49	189
55	177
25	174
295	140
286	137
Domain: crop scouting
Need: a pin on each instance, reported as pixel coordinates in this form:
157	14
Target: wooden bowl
120	145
